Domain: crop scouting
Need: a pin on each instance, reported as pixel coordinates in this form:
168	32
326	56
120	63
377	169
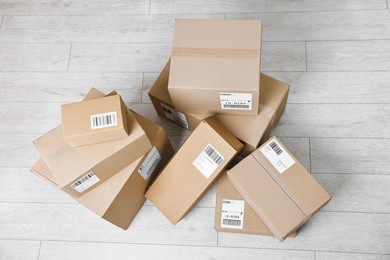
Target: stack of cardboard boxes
110	158
103	155
212	85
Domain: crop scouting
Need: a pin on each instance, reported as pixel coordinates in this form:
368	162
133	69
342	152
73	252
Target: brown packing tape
215	53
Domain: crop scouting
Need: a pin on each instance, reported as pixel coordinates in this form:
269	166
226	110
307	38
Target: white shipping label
104	120
277	155
85	182
174	115
236	101
208	161
232	215
150	163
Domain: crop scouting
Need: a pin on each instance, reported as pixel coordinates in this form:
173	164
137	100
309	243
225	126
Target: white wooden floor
335	54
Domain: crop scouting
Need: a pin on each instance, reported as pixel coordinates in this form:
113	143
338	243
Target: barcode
276	148
85	178
235	106
213	154
231	222
103	120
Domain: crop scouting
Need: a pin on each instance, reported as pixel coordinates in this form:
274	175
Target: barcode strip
213	155
103	120
80	181
231	222
276	148
235	106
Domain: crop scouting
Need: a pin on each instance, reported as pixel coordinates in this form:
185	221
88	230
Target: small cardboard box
278	188
79	169
119	199
193	169
233	214
95	120
273	100
215	66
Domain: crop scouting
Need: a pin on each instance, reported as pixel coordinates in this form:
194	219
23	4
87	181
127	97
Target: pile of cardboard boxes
111	159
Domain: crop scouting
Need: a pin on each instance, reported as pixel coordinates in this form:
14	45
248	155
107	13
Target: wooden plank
346	256
17	150
66	87
253	6
336	87
93	28
359	156
283	56
77	250
34	57
119	57
326	231
72	7
348	55
322	26
13	249
27	117
152	57
20	185
335	120
356	193
72	222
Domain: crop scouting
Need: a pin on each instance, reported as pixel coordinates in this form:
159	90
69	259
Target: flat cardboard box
193	169
119	199
215	66
80	169
273	100
95	120
233	214
278	188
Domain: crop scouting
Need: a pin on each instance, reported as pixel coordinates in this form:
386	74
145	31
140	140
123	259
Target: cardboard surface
282	193
95	120
251	130
215	66
119	199
193	169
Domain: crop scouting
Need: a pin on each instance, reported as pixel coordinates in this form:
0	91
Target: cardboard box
119	199
193	169
95	120
215	66
273	100
162	103
79	169
233	214
278	188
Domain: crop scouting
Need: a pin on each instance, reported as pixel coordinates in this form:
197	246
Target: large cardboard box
95	120
119	199
278	188
193	169
162	103
233	214
251	130
80	169
215	66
